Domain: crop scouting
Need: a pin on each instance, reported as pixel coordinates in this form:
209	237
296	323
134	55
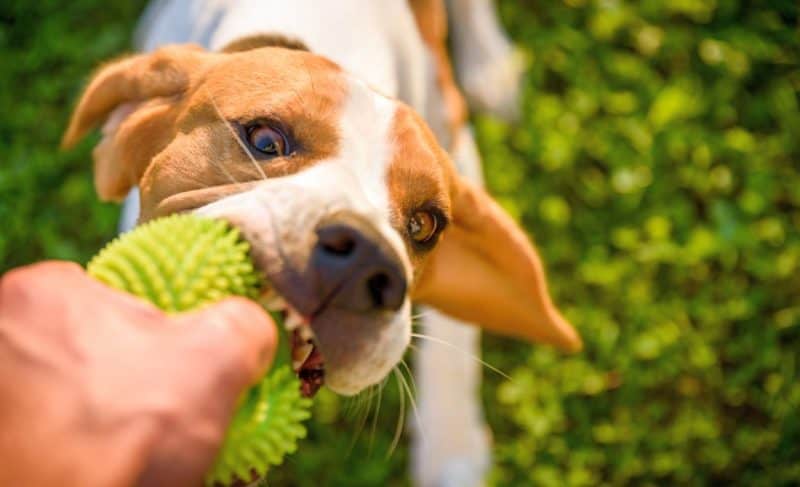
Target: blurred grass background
656	164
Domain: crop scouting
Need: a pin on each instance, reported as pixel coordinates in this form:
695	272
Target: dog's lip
197	198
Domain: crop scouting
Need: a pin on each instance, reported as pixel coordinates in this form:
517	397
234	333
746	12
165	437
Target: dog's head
351	207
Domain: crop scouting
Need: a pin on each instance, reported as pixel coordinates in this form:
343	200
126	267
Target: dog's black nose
357	269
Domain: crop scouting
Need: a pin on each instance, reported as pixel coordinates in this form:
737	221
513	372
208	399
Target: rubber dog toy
180	263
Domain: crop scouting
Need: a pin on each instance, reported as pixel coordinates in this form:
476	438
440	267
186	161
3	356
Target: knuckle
222	349
239	338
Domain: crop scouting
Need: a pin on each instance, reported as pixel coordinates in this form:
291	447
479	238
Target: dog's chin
345	351
360	350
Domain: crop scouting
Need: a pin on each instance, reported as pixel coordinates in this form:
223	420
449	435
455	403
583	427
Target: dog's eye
422	226
266	140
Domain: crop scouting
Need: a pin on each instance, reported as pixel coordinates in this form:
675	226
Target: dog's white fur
378	41
352	181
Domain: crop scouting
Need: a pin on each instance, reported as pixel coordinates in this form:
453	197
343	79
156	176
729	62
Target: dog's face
349	204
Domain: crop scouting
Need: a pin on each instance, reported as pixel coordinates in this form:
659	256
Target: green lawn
656	165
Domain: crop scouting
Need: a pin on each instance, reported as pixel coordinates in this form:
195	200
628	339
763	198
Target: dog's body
348	180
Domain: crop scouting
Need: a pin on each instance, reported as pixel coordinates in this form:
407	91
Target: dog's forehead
274	64
420	172
390	147
254	83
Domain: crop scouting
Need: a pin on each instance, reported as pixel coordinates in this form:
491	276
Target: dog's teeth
300	354
293	320
306	333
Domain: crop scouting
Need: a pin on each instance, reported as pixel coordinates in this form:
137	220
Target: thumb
237	334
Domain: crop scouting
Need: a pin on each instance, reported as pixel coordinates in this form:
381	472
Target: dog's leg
451	448
452	445
486	63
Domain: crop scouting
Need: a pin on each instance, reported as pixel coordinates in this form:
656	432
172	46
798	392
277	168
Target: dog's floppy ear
114	96
485	270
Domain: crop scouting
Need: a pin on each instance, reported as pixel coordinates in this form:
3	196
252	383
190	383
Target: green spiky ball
180	263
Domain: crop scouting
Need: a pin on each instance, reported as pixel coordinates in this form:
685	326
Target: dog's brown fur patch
257	41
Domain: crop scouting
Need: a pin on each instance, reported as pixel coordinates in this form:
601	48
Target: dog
285	119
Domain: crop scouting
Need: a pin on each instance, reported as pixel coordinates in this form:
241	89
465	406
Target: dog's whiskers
236	138
362	403
221	167
414	408
354	404
410	376
467	354
377	411
366	406
400	418
419	316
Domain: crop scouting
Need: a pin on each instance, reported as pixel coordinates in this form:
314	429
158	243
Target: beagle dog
284	118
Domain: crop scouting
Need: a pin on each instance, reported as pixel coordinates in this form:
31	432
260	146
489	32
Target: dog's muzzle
355	268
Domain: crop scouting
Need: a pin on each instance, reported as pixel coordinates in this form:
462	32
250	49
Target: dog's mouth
306	358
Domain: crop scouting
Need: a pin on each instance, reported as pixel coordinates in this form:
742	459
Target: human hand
99	388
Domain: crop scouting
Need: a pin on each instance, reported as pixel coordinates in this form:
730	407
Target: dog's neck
384	49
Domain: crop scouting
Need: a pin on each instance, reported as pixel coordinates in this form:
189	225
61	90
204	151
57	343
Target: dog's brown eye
266	140
422	226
